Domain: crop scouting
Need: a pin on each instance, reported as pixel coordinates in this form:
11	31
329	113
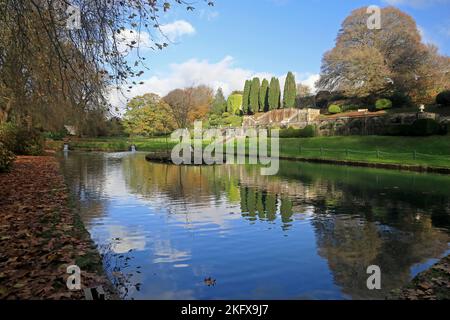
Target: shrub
443	98
425	127
289	133
383	104
8	133
322	99
400	100
6	158
56	135
334	108
233	121
21	140
307	132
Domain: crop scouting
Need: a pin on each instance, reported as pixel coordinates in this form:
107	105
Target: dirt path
40	235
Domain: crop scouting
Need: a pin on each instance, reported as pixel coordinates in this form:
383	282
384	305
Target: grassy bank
421	151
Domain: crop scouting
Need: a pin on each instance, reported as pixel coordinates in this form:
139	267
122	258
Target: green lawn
430	151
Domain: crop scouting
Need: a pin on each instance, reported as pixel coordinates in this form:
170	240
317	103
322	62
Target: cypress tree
278	96
246	96
274	94
254	96
264	96
290	90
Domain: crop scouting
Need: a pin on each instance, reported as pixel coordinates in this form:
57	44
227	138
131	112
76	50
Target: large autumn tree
148	115
374	62
49	62
189	104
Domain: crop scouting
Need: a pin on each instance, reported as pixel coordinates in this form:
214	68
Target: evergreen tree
219	105
264	96
246	96
254	96
274	94
278	96
290	88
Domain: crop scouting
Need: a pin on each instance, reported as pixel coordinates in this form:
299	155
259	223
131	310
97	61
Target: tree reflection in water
360	217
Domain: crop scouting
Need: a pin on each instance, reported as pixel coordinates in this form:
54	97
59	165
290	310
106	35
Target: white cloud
196	72
173	31
310	80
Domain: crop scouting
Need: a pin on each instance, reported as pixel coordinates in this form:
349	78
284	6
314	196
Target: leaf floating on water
210	282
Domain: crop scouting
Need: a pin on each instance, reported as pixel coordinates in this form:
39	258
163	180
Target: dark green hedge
421	127
307	132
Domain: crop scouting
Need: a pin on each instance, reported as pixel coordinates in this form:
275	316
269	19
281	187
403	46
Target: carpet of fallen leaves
432	284
41	234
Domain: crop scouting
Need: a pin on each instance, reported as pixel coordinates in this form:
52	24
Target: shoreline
377	165
42	234
431	284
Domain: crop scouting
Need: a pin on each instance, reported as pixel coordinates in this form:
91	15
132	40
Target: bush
383	104
443	98
307	132
322	98
334	108
56	135
233	121
6	158
289	133
425	127
22	141
400	100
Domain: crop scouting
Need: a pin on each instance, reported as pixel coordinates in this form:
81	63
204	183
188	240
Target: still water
226	232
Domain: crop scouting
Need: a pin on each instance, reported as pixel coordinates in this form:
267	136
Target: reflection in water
308	233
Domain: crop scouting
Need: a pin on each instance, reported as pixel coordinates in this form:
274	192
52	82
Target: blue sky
237	39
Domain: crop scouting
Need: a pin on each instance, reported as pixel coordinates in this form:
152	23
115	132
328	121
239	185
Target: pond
226	232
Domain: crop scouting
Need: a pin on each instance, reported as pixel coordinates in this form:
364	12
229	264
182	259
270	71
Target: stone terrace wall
352	123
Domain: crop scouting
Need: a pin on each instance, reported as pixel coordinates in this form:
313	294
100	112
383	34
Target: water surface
308	233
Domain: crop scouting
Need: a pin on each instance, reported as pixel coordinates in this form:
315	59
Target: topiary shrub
334	109
6	158
383	104
443	98
425	127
